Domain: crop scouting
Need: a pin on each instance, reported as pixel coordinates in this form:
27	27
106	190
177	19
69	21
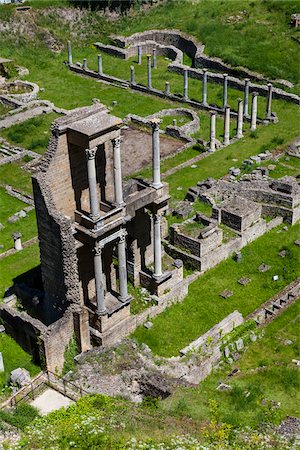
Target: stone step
276	305
282	301
269	312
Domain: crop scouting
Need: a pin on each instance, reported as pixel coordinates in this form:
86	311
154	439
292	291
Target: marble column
100	69
84	63
157	246
149	71
246	97
269	102
118	173
239	129
167	88
226	125
254	111
156	182
185	84
154	62
122	268
139	50
204	88
100	295
93	187
132	74
70	59
212	142
225	86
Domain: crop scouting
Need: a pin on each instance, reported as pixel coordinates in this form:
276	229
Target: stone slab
50	400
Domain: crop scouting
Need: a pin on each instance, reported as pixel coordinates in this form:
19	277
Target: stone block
2	329
282	253
239	344
253	336
178	263
148	325
1	363
224	387
226	351
226	293
264	267
20	377
244	280
256	159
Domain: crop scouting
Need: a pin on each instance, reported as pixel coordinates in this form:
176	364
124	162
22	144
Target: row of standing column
240	117
152	63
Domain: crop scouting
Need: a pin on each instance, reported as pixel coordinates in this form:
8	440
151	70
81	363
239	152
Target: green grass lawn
17	264
27	225
266	371
14	356
33	134
203	307
15	176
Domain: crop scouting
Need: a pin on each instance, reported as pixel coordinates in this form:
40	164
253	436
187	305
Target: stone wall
213	335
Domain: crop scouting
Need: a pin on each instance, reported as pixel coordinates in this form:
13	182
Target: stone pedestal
84	64
1	363
185	84
70	59
17	240
157	247
212	142
100	69
149	71
246	97
227	125
204	88
254	111
225	85
269	101
93	188
239	131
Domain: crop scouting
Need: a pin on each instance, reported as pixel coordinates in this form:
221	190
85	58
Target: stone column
17	240
84	63
246	97
239	130
154	63
157	246
225	77
93	188
139	50
254	111
185	84
122	269
70	59
100	70
212	142
132	74
226	125
100	295
204	88
156	182
149	71
167	88
269	101
118	173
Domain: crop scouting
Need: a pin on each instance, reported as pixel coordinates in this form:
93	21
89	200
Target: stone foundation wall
198	247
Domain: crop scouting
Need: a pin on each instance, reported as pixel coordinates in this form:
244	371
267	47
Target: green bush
22	416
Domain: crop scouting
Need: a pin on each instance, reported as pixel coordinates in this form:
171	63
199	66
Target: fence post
32	391
64	383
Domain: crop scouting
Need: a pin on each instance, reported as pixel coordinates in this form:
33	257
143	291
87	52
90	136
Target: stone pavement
50	400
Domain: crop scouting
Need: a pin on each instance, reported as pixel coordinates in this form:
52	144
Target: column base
156	185
239	136
119	205
161	278
126	299
101	313
204	104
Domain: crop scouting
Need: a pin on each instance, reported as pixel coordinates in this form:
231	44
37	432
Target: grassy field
266	372
33	134
203	307
15	176
26	225
17	264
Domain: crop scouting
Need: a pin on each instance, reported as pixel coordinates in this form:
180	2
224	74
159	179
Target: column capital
247	80
204	70
91	153
213	113
98	248
123	236
154	123
255	94
225	75
156	217
117	142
